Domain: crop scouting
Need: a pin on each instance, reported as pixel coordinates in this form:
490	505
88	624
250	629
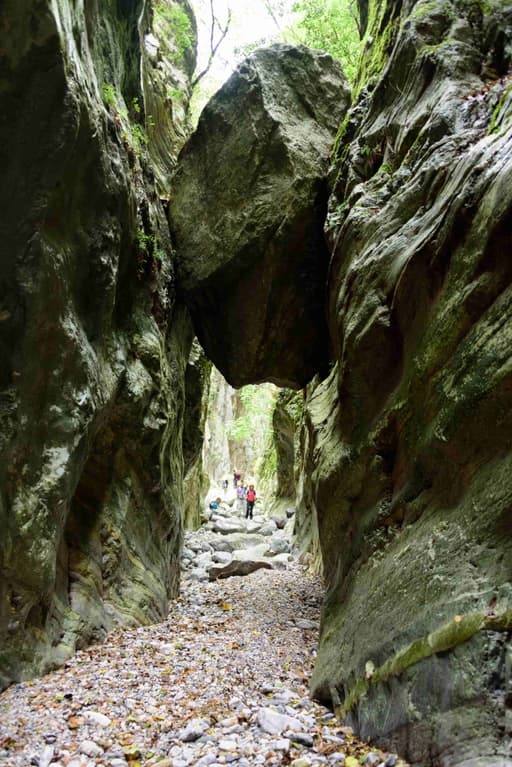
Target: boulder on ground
226	526
237	567
253	553
269	528
279	545
234	541
247	213
222	557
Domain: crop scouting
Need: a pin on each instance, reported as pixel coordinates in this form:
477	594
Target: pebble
194	730
274	723
97	718
90	748
224	680
304	738
46	756
307	625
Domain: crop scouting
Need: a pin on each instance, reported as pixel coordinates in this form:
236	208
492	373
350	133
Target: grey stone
268	528
253	553
306	625
90	748
261	150
279	545
274	723
304	738
46	756
222	557
221	544
194	730
95	717
198	574
226	526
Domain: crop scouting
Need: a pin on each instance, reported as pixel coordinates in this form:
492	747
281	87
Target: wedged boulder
247	213
238	567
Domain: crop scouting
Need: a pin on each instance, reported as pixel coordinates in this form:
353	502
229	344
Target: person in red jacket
250	498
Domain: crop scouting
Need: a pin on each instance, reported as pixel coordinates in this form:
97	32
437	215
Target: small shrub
178	26
108	93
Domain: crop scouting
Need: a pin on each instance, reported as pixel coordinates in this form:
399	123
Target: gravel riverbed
224	680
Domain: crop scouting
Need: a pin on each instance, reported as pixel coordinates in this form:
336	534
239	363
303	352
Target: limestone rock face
197	386
93	344
408	448
247	211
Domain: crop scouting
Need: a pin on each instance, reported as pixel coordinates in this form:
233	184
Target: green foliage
139	137
146	242
293	404
330	25
175	94
178	26
108	93
149	248
257	403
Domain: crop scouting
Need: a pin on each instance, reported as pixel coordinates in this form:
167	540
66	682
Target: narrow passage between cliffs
224	680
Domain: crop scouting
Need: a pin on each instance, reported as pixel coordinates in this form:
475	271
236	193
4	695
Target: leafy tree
330	25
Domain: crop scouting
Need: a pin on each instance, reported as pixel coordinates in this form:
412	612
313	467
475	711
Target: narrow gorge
347	241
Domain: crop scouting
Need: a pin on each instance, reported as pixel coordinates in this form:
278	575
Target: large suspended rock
247	212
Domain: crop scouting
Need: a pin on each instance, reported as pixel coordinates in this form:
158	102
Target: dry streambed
223	681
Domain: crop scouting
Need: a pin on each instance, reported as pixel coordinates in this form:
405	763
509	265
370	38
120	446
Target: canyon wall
396	317
405	487
94	344
410	462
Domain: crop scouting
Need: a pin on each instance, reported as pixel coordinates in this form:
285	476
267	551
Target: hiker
225	483
240	497
250	499
236	478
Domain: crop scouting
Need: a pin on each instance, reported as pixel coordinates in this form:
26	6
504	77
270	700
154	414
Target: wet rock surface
247	211
407	466
92	342
224	680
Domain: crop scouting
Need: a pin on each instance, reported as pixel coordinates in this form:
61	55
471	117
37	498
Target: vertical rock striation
406	439
410	449
197	390
93	343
